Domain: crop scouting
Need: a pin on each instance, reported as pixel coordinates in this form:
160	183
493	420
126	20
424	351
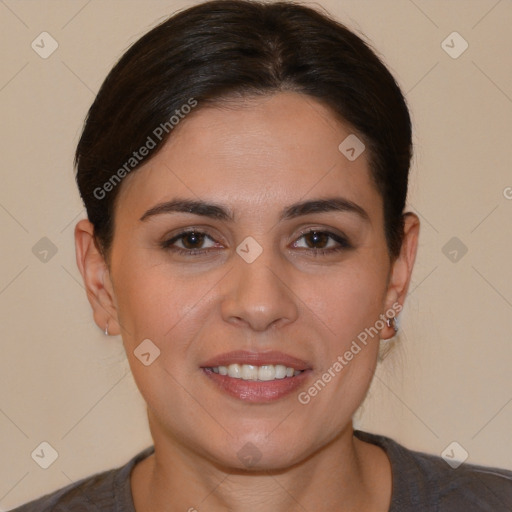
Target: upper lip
256	359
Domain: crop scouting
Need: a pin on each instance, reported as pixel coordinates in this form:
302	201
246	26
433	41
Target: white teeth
234	371
250	372
267	372
280	371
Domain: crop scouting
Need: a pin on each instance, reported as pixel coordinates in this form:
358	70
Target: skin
255	158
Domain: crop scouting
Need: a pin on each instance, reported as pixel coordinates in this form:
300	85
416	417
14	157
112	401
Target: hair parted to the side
224	48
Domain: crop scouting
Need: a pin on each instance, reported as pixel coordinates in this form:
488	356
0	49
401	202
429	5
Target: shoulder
423	481
78	496
468	487
108	490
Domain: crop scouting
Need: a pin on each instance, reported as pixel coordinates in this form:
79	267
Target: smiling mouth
249	372
257	376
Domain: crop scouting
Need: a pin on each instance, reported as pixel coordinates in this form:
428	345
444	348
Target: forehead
274	149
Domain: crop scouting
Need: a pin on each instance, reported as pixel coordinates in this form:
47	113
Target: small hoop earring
391	322
106	329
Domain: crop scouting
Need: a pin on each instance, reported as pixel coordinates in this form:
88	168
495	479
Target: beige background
63	382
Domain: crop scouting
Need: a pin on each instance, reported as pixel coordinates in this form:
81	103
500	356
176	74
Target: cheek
165	308
347	302
344	308
146	297
147	304
159	303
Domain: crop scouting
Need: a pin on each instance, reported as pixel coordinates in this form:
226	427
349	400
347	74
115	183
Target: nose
259	295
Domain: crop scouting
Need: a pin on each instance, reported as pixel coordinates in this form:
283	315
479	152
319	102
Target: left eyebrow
218	212
334	204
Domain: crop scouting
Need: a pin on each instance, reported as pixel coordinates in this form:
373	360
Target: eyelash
343	243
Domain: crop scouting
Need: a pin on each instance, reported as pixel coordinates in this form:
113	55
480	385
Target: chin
254	451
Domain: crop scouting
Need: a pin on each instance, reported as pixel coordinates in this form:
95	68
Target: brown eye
323	242
193	240
316	239
189	242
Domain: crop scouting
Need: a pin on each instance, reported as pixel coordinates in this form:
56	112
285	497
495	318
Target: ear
401	270
96	276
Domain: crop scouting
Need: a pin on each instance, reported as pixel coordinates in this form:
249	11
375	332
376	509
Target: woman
244	168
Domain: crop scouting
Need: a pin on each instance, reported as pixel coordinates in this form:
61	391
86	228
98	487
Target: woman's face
250	285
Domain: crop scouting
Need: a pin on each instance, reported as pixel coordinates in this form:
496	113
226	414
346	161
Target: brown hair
222	48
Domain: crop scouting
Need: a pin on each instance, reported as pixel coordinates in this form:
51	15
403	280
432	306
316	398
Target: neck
346	475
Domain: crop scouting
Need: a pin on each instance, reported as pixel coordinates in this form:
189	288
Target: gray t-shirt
421	483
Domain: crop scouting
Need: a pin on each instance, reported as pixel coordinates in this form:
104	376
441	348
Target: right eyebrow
194	207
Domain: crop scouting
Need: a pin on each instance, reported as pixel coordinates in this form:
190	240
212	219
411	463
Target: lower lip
257	391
